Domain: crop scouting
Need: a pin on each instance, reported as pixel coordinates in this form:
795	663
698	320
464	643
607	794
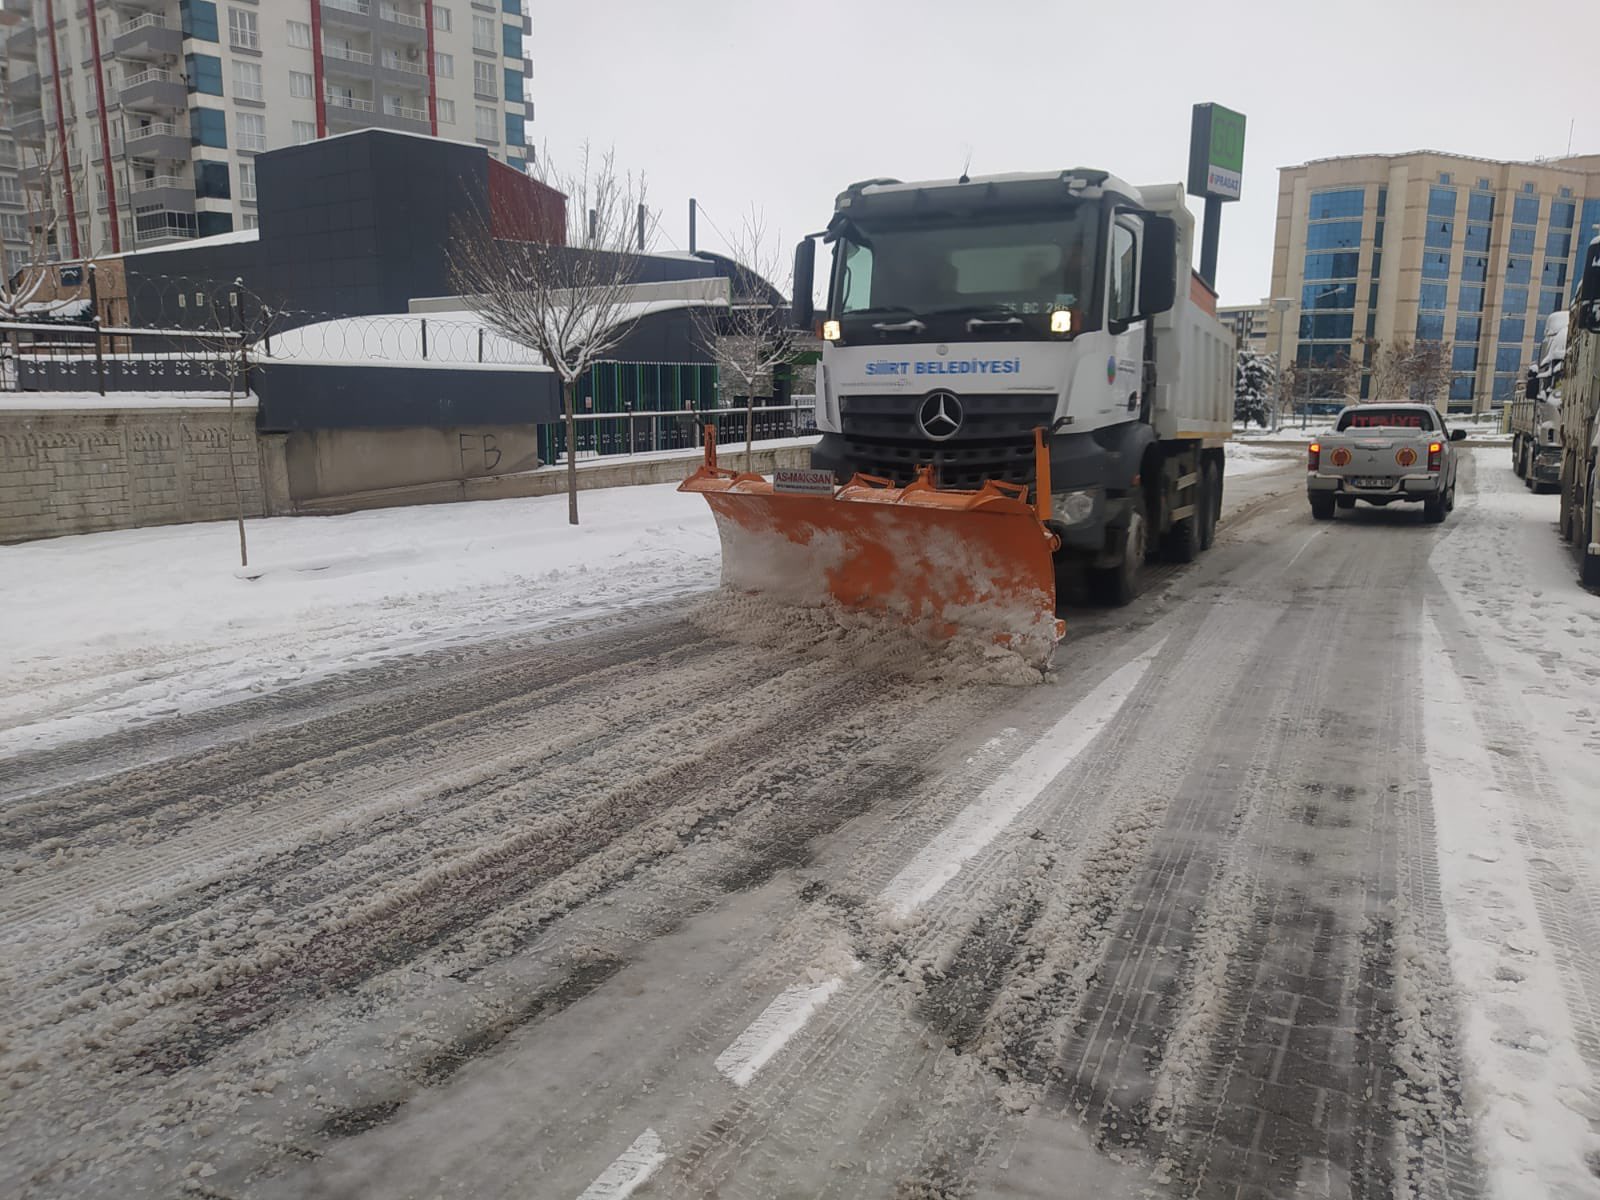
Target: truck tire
1211	487
1433	510
1116	586
1322	508
1182	542
1516	459
1589	570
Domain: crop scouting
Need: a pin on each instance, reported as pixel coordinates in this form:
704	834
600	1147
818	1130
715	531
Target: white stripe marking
778	1022
981	821
633	1166
1303	548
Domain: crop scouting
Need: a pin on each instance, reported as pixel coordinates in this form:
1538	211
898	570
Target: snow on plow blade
944	564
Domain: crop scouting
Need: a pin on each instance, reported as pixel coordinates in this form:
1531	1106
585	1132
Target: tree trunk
571	388
233	469
749	430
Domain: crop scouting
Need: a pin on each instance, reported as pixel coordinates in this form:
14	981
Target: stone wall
80	470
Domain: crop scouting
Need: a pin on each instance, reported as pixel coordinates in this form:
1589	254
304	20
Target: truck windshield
1013	266
1386	418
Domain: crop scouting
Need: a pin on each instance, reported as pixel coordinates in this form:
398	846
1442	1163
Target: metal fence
61	357
606	435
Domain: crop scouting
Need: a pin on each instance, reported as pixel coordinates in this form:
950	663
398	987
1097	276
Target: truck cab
964	314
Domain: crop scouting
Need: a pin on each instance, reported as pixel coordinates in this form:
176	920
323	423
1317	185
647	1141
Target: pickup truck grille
995	441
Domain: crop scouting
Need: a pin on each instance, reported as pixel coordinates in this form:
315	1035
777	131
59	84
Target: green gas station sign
1216	152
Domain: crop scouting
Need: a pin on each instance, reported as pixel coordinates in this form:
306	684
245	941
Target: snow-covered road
543	908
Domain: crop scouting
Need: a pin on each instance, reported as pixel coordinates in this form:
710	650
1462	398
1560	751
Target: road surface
640	909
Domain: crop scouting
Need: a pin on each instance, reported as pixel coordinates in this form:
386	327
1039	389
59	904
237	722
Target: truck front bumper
1547	465
1403	487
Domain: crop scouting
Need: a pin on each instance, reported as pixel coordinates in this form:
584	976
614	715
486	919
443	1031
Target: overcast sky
781	103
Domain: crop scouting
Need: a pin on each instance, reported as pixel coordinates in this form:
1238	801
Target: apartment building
13	213
1249	325
162	105
1468	252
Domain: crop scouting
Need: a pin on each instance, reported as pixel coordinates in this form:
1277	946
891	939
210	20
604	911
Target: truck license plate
1367	481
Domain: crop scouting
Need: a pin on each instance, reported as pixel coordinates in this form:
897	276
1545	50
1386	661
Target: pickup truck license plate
1367	481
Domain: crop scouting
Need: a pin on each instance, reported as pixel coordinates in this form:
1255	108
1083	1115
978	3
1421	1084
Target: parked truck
1020	381
1536	412
1580	422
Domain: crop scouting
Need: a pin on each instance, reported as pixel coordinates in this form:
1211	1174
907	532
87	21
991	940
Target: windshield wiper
958	310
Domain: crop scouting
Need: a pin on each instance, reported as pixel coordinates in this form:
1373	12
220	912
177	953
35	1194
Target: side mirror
1531	391
1158	270
1458	435
803	312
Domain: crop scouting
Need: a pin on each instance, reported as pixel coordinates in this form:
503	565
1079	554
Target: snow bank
107	629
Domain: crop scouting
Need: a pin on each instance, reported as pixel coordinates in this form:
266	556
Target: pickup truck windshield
1016	267
1386	418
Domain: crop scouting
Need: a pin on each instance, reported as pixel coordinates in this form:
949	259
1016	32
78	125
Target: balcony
25	90
148	38
394	107
398	62
28	129
343	60
170	193
154	89
346	12
160	139
409	24
23	45
158	225
351	103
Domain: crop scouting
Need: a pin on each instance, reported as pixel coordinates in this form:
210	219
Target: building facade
1467	253
149	131
1249	325
13	212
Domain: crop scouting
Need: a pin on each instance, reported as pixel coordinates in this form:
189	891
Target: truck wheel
1116	586
1211	505
1433	510
1516	460
1182	542
1322	508
1589	572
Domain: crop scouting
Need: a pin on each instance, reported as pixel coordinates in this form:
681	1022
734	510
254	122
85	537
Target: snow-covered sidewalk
106	629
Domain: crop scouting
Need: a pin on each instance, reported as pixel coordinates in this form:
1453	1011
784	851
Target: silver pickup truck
1384	454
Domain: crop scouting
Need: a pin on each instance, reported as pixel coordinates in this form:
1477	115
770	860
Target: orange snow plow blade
942	563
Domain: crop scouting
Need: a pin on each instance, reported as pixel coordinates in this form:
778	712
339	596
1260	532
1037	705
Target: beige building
1249	325
1428	247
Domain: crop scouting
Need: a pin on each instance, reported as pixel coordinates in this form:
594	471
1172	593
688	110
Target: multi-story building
162	105
13	213
1249	325
1468	253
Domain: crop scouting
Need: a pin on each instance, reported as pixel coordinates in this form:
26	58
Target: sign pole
1210	234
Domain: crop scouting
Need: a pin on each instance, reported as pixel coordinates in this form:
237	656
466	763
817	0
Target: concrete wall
79	471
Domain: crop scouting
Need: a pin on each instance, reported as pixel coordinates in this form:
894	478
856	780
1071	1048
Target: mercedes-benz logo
940	416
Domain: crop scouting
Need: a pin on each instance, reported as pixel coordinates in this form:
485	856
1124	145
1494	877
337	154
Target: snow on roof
56	308
216	239
423	137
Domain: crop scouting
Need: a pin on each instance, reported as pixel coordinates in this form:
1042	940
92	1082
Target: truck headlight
830	331
1074	508
1061	320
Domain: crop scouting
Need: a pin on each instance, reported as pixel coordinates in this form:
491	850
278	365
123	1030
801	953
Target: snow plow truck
1020	380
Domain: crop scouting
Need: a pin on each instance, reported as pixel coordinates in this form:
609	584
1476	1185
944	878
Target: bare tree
750	340
571	304
1430	371
1407	370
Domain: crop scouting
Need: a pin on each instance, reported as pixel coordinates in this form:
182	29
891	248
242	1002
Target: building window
1507	358
1327	327
13	227
242	30
1430	327
1514	300
511	7
302	132
198	19
514	129
1525	210
1477	238
1521	241
444	65
1323	296
1483	185
1558	245
1553	275
252	131
1333	235
1469	329
1528	187
1432	296
483	82
1549	302
1441	202
300	35
511	41
9	191
210	224
514	86
1474	268
1464	358
1331	266
441	18
1519	270
1444	176
300	85
1480	207
1470	299
211	180
1440	233
1561	212
1461	387
251	221
247	181
1512	329
483	32
246	80
208	127
487	128
447	112
205	73
1504	385
1383	201
1436	264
